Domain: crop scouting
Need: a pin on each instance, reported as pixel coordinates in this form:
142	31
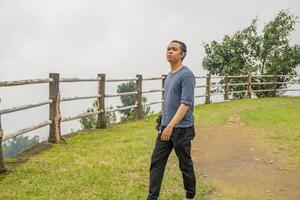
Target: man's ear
182	54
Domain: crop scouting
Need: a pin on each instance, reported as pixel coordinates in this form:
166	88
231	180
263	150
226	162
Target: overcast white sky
80	38
118	37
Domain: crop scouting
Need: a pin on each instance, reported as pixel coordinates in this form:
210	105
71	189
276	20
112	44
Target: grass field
278	117
114	163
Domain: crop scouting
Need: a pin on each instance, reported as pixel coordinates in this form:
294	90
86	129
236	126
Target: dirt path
241	166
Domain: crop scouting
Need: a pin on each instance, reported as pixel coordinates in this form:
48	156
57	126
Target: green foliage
89	122
14	146
276	54
129	100
248	52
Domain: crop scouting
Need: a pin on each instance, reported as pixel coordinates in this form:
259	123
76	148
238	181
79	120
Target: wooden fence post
226	88
101	119
274	85
139	108
249	85
207	98
54	109
2	169
163	80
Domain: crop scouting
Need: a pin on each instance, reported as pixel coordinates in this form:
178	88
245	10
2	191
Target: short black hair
182	47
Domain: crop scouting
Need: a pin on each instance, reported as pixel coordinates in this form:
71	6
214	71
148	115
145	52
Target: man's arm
181	111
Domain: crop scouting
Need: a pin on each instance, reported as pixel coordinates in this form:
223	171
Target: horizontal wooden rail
241	76
23	107
262	83
281	82
147	104
292	89
77	98
289	82
263	90
262	76
200	86
121	108
241	91
237	84
25	130
24	82
199	96
79	79
120	94
120	80
289	89
153	78
149	91
217	76
65	119
200	77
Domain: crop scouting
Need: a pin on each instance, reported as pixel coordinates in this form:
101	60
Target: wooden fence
55	118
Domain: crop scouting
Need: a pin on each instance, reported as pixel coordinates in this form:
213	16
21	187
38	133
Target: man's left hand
166	135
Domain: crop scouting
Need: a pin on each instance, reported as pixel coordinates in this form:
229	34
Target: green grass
114	163
218	113
103	164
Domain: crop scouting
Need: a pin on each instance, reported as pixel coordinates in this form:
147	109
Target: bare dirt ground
241	166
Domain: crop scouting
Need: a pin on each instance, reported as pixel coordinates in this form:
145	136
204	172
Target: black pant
181	142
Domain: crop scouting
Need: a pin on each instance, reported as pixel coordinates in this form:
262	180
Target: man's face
174	53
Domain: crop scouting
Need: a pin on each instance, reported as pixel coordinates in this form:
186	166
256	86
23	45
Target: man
177	124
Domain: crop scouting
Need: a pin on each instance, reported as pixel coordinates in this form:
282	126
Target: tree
14	146
128	100
89	122
247	51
